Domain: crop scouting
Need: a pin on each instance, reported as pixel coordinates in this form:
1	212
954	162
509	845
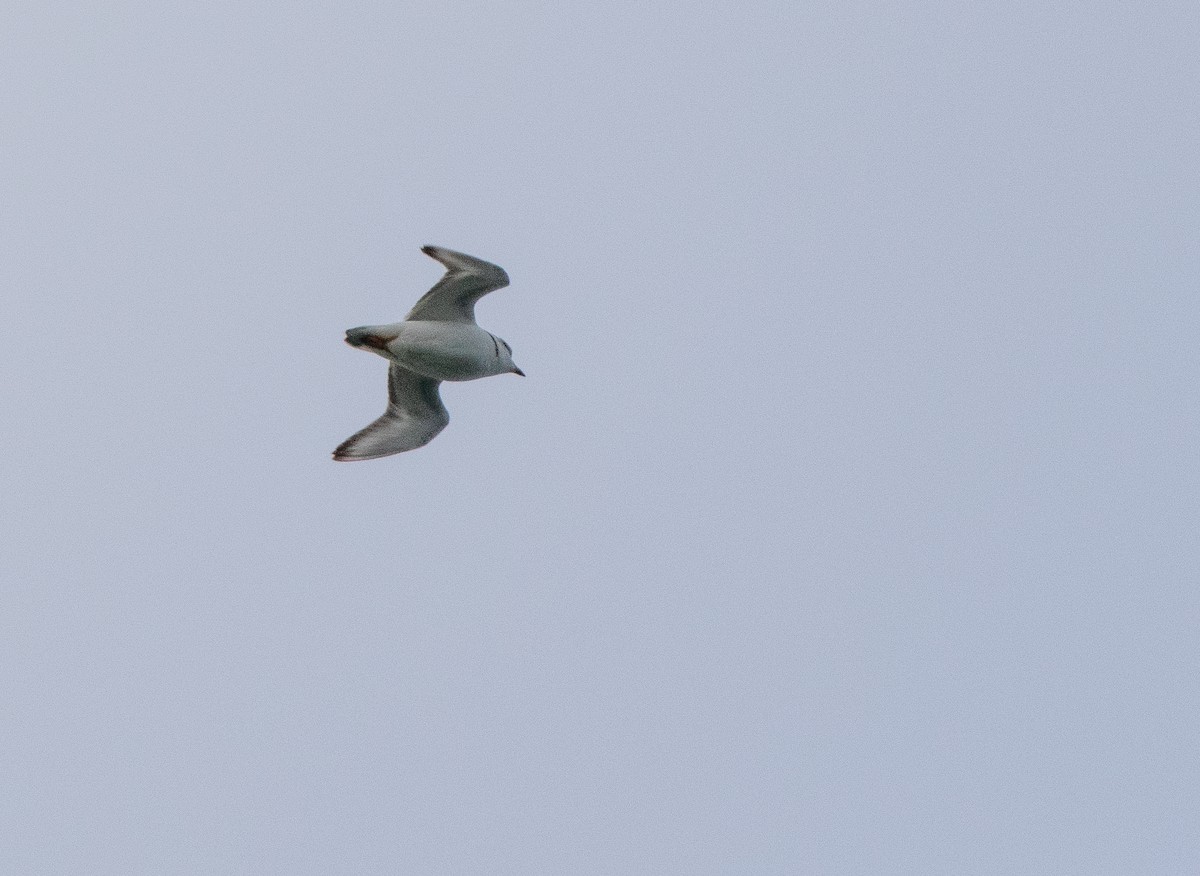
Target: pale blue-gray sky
846	522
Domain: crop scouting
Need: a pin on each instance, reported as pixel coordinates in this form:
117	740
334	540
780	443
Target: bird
438	340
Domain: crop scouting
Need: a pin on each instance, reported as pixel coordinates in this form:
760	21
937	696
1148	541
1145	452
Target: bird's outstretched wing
415	414
467	279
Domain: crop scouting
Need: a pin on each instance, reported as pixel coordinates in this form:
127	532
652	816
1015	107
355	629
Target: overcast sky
845	523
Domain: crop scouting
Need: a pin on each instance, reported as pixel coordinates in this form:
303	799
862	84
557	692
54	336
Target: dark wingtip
342	452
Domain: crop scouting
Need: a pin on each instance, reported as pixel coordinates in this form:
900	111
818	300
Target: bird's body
437	341
441	350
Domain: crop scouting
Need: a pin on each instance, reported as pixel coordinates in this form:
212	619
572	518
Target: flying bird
438	340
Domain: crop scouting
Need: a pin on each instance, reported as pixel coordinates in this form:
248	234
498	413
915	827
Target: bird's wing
414	415
467	279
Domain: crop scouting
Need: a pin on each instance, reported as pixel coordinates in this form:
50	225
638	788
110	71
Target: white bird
437	341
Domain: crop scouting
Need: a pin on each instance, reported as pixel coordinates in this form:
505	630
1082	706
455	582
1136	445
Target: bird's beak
517	370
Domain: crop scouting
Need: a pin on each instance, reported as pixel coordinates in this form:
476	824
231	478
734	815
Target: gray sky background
846	522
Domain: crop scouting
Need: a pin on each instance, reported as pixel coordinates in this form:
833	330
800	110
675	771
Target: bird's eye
506	346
